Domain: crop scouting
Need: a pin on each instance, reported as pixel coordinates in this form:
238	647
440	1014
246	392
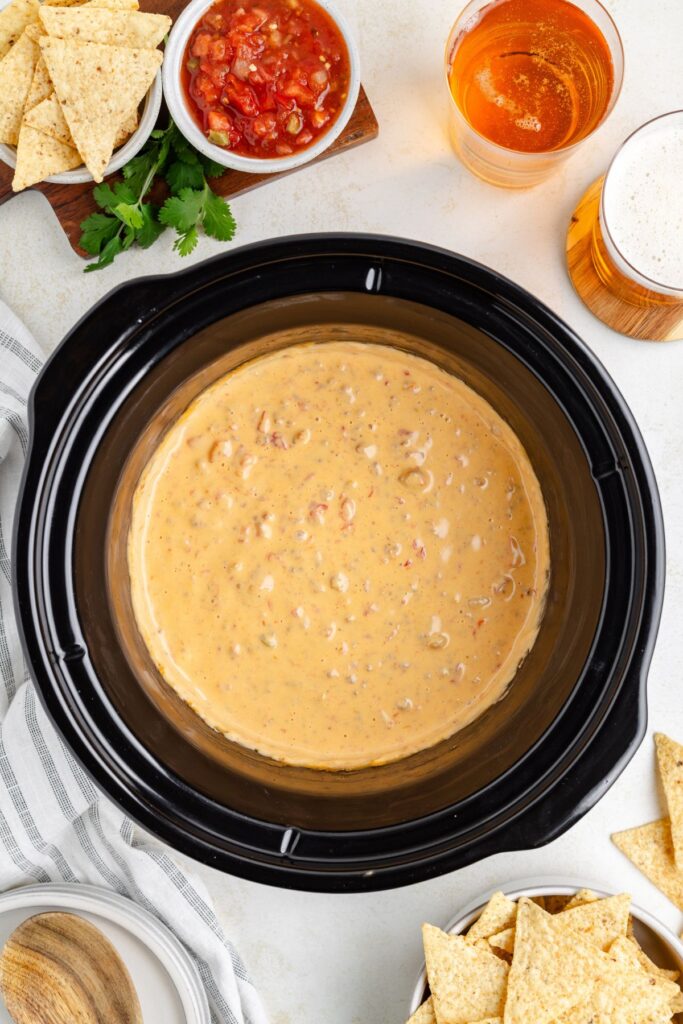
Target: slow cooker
515	778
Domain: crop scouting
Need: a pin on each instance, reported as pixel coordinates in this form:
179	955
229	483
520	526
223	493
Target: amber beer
528	81
625	243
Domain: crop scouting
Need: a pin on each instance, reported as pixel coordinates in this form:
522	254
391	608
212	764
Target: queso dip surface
339	555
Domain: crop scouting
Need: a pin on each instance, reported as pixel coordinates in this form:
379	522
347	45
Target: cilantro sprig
129	216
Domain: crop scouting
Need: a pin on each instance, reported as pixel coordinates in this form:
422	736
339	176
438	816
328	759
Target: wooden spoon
59	969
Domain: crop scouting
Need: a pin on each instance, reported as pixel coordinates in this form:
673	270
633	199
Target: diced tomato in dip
268	79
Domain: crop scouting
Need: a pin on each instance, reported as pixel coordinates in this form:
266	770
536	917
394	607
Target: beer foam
484	80
529	123
643	203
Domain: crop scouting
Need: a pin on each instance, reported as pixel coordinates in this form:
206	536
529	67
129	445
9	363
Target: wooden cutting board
73	203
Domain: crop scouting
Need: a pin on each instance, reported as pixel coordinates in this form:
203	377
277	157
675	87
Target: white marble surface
353	959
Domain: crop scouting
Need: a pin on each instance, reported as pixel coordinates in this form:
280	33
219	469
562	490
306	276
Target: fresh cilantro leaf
182	148
128	237
113	247
211	168
124	193
103	196
165	148
186	242
151	228
97	230
136	170
182	175
108	197
129	214
218	219
185	210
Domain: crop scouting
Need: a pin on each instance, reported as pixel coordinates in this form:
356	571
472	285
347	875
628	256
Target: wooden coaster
60	968
655	318
73	203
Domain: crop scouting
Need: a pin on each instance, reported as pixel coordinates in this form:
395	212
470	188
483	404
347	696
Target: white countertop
353	959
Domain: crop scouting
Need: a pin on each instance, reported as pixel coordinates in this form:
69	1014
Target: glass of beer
529	81
625	240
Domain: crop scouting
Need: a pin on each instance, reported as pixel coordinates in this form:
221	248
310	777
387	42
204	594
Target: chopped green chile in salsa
268	79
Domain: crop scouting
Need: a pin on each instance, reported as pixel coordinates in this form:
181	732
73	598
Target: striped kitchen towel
54	825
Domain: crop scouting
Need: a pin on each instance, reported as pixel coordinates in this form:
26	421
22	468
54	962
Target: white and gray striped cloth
54	825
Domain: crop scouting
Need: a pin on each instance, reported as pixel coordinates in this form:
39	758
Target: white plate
165	977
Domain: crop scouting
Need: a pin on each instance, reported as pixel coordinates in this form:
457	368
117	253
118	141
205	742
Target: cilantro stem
127	218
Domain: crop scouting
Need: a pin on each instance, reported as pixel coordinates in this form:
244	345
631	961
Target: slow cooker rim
591	367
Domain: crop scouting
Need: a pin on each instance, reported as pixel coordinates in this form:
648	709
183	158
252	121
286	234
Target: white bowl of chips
607	958
80	87
130	148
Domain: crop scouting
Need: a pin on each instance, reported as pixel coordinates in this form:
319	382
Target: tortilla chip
47	117
553	969
581	897
114	5
504	940
129	126
650	848
559	975
625	952
101	25
98	86
601	921
41	85
34	31
125	5
16	75
424	1014
467	983
650	966
588	1015
670	762
499	913
13	20
39	156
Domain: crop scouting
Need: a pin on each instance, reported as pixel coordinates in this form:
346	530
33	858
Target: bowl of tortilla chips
550	952
80	87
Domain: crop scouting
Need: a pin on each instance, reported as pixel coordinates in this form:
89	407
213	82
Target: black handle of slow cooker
605	758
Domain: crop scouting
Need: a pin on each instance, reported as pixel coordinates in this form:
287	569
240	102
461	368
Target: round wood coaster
649	320
60	968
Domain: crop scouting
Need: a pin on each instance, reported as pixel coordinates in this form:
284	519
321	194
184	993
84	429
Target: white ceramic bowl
180	112
79	175
660	944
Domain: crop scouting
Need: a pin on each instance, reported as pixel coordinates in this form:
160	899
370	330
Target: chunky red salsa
266	79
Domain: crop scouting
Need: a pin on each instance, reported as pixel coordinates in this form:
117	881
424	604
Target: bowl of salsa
261	85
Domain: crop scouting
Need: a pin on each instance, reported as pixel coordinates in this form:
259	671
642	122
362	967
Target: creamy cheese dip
339	555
